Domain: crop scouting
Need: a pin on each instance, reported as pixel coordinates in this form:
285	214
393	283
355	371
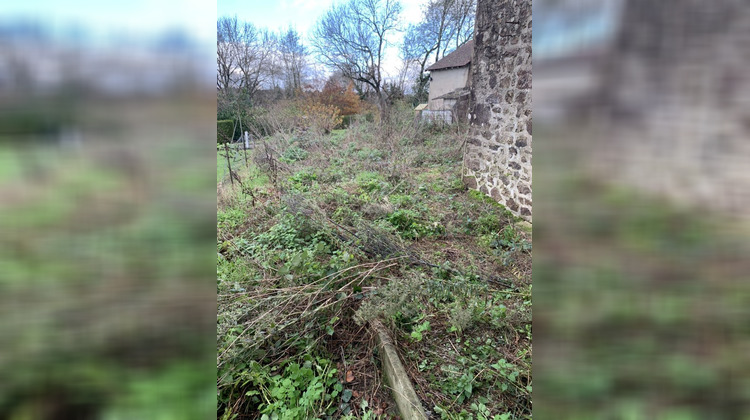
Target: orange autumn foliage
344	98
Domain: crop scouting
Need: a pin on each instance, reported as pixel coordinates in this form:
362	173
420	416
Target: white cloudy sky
142	18
98	22
302	15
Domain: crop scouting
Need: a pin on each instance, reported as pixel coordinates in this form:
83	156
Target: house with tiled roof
449	84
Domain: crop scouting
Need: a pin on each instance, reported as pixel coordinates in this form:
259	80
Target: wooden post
408	403
244	149
229	164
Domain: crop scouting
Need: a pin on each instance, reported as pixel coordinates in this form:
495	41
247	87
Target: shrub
299	115
253	122
317	116
372	155
402	200
342	97
224	131
346	121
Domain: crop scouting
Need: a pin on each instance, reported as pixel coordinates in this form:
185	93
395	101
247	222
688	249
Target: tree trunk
383	107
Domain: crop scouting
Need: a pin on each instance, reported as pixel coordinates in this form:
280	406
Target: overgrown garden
322	230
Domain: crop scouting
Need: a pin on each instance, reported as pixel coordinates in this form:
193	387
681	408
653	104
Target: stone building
449	84
497	158
450	73
677	91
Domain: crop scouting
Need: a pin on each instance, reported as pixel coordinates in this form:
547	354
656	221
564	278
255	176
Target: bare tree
462	16
255	54
445	25
244	58
226	55
405	73
437	17
417	49
353	37
293	56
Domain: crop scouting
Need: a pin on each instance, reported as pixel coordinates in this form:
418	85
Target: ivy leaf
467	390
346	395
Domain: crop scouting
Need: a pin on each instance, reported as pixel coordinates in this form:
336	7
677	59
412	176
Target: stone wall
677	89
497	159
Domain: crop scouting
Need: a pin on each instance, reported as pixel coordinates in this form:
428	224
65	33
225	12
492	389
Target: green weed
230	219
303	181
410	226
293	154
301	391
370	182
507	243
416	334
479	197
372	155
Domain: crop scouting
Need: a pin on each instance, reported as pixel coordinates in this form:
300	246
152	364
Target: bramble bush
302	114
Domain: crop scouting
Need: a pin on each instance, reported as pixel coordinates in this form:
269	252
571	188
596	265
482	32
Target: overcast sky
302	15
135	18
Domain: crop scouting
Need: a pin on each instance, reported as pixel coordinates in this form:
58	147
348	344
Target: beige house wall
446	81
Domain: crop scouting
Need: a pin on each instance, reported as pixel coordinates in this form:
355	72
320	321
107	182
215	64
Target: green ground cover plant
633	291
367	226
103	263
